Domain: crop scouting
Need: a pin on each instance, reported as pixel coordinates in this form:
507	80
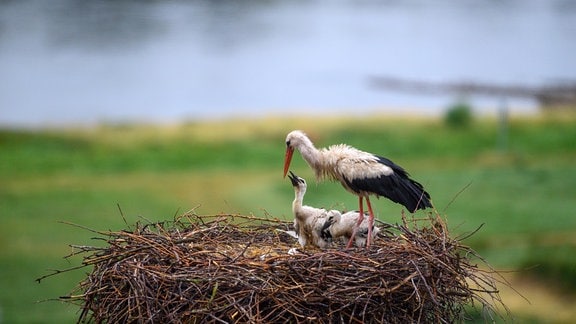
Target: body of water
69	62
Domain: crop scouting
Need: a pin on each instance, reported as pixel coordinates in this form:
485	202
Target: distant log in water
548	96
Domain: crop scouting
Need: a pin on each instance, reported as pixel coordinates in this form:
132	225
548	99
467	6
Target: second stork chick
339	225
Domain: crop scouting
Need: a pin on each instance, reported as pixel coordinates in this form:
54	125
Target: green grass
524	196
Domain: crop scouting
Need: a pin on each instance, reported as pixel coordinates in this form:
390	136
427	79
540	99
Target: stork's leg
360	219
370	222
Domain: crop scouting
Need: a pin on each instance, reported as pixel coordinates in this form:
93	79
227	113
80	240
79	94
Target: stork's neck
315	158
299	192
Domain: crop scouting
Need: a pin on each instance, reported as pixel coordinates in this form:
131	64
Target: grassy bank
523	192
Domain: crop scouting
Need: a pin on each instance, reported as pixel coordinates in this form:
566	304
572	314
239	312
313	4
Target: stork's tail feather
407	192
417	197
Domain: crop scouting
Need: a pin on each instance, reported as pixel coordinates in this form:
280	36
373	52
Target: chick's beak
288	159
293	178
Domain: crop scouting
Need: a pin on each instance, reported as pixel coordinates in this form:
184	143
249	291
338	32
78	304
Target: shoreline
362	113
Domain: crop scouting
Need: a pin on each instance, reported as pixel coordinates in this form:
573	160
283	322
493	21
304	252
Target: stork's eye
288	143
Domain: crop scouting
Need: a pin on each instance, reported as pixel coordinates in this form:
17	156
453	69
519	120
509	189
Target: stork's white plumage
342	226
361	173
308	221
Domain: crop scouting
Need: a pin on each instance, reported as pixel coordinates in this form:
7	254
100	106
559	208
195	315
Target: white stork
361	173
308	221
339	225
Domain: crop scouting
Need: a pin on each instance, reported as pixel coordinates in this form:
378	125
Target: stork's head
325	231
332	218
294	140
297	181
363	231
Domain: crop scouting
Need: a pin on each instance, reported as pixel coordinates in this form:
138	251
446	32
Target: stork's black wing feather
397	187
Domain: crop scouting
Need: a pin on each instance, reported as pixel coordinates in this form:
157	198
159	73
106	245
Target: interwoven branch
237	269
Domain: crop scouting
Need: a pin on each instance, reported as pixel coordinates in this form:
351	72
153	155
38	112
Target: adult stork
361	173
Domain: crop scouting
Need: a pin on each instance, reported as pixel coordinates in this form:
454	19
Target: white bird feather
341	226
308	221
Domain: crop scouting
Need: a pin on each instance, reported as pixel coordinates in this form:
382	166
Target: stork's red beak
288	159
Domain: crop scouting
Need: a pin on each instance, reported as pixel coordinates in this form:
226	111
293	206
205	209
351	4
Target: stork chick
308	221
339	225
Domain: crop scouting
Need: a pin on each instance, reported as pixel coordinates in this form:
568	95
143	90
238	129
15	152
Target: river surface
83	62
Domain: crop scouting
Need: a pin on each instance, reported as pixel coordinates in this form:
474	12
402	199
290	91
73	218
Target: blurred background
160	107
68	61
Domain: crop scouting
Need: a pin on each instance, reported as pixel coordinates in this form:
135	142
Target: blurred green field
523	190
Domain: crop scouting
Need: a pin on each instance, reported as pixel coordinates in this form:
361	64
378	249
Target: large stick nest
231	268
